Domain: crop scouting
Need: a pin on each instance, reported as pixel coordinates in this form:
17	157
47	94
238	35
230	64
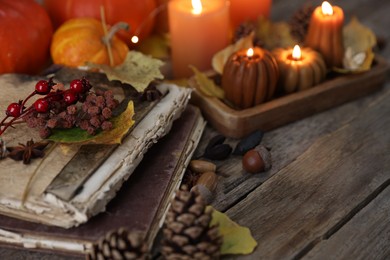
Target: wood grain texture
329	176
295	208
366	236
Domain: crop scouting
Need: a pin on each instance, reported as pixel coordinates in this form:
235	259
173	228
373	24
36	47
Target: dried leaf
220	58
206	85
236	239
138	70
274	35
359	41
155	45
121	125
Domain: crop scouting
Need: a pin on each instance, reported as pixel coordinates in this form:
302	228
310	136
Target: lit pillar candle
325	33
248	10
299	68
249	77
198	30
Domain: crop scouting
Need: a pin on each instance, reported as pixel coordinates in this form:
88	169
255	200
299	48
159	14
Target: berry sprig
57	108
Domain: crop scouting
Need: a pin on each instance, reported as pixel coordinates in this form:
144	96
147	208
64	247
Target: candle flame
134	39
327	8
296	54
196	6
249	52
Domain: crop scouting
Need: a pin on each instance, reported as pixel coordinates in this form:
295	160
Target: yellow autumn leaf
236	239
138	70
205	85
359	41
219	59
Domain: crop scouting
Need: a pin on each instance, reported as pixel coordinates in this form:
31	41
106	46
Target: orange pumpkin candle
249	77
325	33
299	68
198	30
248	10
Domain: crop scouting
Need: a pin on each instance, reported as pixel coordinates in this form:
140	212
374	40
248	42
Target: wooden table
327	194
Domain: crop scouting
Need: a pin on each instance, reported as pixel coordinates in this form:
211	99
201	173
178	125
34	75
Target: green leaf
138	70
121	125
236	239
206	85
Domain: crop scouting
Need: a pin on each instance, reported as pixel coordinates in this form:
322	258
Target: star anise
27	151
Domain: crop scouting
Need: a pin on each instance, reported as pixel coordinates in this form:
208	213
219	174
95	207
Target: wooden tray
292	107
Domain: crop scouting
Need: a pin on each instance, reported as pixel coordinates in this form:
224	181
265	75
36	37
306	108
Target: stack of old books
78	193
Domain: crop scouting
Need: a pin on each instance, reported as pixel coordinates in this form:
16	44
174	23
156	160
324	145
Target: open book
73	183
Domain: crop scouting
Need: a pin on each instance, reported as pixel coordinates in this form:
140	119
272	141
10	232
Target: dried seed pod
249	142
216	140
257	160
200	166
206	185
218	152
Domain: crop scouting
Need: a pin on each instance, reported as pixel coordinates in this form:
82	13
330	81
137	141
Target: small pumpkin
136	13
297	75
25	34
249	80
82	40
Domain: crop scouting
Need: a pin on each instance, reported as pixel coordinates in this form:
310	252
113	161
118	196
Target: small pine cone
243	30
106	113
119	245
299	22
44	132
187	234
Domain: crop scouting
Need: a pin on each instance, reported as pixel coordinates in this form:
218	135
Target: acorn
200	166
206	185
257	160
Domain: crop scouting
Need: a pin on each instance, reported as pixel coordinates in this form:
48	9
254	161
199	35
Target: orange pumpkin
25	34
136	13
80	40
250	80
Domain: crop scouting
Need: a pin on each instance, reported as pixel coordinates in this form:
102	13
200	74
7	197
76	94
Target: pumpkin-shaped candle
299	68
325	33
249	77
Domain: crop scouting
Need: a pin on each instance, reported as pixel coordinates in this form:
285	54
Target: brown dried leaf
205	85
138	70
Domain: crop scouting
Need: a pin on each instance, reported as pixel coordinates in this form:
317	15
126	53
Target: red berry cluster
58	108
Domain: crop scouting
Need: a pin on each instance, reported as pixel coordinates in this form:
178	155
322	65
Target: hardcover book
74	182
139	206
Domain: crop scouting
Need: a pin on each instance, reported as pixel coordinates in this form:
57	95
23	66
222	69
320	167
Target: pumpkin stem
113	30
109	34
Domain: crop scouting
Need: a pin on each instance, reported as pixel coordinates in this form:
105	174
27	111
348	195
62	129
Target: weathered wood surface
326	196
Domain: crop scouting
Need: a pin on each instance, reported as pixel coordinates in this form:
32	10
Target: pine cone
245	29
187	234
299	23
119	245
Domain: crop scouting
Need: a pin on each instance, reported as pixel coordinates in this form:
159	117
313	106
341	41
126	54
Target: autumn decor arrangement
240	95
104	89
